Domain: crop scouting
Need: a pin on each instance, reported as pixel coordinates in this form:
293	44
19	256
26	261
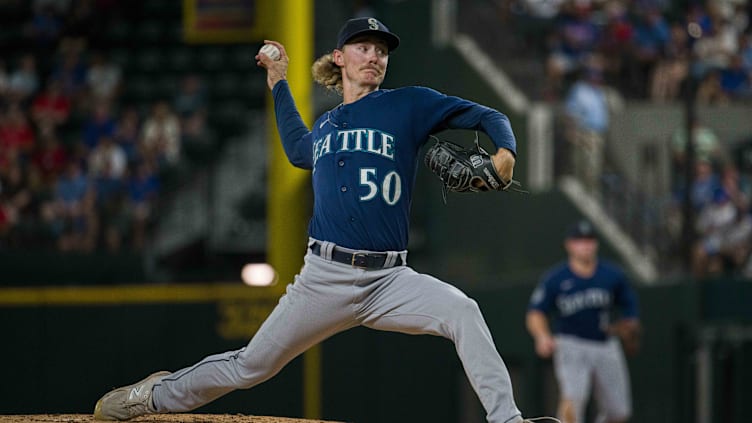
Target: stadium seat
181	59
121	57
119	33
150	60
212	58
150	32
242	56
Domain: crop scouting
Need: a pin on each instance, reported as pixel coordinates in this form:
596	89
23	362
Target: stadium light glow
258	274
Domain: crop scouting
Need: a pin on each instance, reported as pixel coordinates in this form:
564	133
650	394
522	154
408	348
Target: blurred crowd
83	166
720	197
644	48
601	52
80	168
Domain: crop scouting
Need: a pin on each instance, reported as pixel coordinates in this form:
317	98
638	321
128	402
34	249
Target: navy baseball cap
367	26
581	229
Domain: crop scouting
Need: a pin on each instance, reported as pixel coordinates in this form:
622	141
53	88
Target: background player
582	292
363	155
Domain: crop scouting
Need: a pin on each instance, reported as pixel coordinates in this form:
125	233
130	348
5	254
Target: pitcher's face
363	61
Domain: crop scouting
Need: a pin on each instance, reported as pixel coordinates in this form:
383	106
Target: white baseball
270	50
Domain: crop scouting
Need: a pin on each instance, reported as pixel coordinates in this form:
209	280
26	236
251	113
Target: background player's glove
629	332
462	170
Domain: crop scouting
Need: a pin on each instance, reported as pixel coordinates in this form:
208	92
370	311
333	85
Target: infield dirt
161	418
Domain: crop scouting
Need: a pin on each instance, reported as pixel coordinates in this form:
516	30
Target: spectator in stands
190	98
532	20
702	192
143	191
51	106
710	91
650	38
574	42
705	185
735	81
615	42
725	228
708	148
110	206
50	158
58	7
587	112
44	28
740	14
197	139
16	133
736	186
672	68
71	70
4	82
714	49
713	224
127	132
161	135
81	22
101	123
107	158
24	81
5	223
71	212
7	155
104	78
698	20
15	199
745	51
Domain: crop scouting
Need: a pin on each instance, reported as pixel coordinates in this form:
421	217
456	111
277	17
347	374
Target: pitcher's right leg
309	313
315	307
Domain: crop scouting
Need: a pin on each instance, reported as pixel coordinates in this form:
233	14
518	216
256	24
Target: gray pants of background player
329	297
582	365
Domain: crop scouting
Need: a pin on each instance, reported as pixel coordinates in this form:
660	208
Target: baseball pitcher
363	156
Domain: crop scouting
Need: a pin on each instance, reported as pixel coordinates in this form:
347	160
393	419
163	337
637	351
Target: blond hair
327	74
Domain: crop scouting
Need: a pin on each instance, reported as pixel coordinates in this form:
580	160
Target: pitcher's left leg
413	303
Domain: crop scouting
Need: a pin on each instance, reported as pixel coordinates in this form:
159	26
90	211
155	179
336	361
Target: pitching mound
161	418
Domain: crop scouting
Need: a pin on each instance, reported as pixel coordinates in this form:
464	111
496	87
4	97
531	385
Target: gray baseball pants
329	297
581	365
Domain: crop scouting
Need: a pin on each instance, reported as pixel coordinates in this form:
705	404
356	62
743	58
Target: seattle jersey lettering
581	300
366	140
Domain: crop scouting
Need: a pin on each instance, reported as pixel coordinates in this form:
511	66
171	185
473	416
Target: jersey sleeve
625	297
296	138
542	297
450	112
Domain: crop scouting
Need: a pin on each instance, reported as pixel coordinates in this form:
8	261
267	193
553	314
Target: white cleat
129	401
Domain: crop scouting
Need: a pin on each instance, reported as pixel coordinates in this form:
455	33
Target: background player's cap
370	26
581	229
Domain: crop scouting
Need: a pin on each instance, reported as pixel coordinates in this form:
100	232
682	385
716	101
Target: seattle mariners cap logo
581	229
367	26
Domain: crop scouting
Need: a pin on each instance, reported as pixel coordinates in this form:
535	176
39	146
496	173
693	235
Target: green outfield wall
64	347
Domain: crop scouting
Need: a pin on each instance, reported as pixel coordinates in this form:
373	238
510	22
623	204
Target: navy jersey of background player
364	157
582	306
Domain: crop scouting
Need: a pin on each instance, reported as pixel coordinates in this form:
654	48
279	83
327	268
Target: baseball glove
462	170
630	333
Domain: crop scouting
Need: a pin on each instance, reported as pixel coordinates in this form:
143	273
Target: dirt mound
160	418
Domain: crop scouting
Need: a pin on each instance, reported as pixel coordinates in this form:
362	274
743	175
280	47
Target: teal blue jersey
364	158
583	306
